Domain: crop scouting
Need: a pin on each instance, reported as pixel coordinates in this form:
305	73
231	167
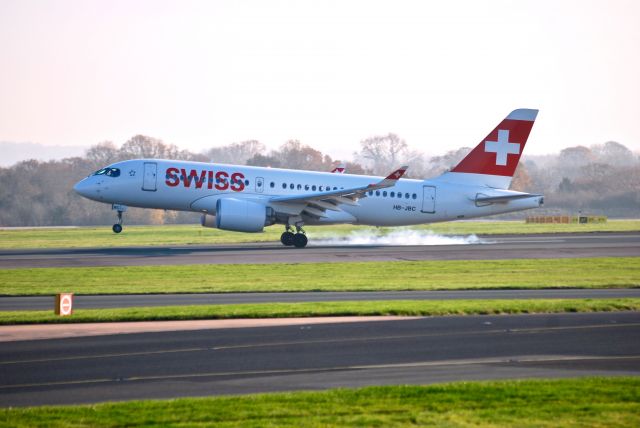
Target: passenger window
406	195
291	186
377	193
272	184
246	182
399	194
392	194
384	193
284	185
335	188
320	188
370	192
313	187
299	186
414	196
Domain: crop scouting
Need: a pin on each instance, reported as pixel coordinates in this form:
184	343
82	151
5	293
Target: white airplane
246	199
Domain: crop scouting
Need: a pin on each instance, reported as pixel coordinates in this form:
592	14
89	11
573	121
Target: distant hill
11	153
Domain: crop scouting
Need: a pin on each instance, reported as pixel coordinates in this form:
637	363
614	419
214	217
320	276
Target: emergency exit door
150	176
428	199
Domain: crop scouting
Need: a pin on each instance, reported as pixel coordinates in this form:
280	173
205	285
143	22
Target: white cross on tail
502	148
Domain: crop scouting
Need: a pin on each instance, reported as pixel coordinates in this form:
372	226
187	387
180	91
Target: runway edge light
64	304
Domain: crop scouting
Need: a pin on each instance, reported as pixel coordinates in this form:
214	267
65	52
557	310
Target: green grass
605	272
586	402
348	308
194	234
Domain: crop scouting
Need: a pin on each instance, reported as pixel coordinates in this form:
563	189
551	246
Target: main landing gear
117	228
298	239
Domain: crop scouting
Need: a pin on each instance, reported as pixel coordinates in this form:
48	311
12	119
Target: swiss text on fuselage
205	179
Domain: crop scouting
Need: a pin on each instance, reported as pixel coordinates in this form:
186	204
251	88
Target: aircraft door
428	199
259	184
150	175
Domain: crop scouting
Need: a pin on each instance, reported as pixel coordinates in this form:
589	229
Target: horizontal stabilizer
480	198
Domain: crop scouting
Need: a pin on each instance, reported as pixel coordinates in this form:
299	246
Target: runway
310	357
491	247
136	300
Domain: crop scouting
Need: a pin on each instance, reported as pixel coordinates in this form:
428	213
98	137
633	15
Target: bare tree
103	154
293	154
382	152
236	153
615	154
142	146
264	160
575	157
521	179
443	163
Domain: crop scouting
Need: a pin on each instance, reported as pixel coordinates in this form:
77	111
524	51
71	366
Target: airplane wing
317	203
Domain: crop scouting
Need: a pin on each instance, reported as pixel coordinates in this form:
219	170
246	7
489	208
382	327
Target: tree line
601	179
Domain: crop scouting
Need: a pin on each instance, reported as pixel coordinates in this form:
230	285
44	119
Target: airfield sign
64	304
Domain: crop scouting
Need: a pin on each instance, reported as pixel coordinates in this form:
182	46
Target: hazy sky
440	74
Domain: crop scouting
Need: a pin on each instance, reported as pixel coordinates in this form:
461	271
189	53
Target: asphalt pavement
313	357
488	248
23	303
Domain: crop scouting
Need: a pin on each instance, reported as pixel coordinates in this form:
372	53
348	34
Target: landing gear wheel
117	228
300	240
287	238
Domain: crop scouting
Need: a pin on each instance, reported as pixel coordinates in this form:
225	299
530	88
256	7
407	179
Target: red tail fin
499	153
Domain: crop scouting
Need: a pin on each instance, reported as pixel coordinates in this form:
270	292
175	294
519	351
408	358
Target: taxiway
24	303
308	357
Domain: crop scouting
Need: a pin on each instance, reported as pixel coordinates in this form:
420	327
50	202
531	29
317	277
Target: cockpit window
110	172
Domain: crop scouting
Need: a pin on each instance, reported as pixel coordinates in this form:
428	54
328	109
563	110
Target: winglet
338	169
398	173
391	179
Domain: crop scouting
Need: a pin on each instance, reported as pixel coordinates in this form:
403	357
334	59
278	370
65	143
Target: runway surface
309	357
134	300
492	247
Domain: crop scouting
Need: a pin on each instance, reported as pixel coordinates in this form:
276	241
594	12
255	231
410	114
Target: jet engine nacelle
239	216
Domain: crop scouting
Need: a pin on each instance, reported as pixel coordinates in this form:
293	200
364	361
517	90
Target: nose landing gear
117	228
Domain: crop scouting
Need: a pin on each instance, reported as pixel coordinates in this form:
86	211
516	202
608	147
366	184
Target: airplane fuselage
196	186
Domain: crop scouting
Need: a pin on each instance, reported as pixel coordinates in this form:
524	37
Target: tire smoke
398	237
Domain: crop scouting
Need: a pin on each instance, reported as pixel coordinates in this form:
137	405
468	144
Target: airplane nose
83	188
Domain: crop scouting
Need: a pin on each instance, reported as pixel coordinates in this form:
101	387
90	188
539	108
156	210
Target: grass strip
605	272
102	236
596	402
314	309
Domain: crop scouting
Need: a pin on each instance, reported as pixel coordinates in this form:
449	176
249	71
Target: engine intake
239	216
